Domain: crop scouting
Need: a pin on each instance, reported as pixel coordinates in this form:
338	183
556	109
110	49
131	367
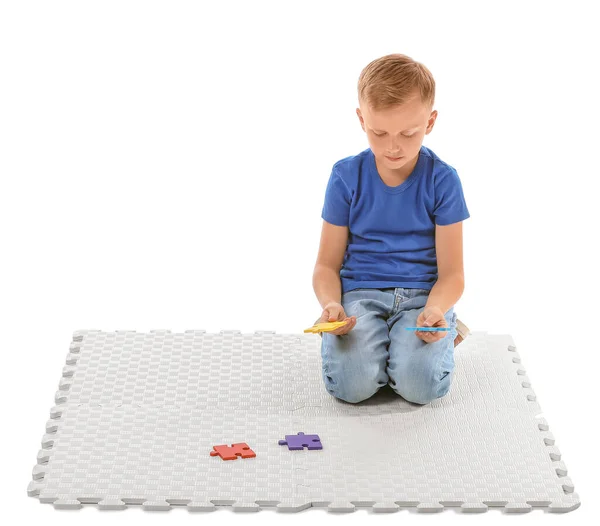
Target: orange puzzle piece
231	453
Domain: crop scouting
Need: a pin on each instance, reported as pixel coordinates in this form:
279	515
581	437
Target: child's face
397	132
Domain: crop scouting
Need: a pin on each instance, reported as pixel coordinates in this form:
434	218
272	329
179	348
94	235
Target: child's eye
382	134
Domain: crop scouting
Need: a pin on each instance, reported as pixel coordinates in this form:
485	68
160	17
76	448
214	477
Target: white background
163	166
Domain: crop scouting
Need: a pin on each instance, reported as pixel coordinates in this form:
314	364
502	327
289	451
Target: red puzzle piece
231	453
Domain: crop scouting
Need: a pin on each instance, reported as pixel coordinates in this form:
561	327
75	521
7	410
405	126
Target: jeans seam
396	302
438	368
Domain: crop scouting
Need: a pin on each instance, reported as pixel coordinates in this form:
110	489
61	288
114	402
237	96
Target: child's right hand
335	312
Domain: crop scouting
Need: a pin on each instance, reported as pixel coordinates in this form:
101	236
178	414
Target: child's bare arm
327	285
326	276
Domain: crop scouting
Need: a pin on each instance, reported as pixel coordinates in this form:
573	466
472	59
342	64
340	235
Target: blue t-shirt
391	238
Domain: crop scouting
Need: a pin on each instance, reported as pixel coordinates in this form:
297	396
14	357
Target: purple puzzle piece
300	441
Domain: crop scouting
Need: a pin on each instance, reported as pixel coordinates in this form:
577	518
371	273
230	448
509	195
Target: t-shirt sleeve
336	208
450	205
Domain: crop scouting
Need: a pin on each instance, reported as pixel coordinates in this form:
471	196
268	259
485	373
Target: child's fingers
350	323
339	331
344	329
429	337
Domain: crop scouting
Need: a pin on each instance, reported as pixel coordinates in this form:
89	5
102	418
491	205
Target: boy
390	254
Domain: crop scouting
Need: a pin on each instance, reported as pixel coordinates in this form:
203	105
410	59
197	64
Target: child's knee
422	389
351	388
353	395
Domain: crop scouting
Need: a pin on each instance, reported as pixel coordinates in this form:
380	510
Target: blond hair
390	80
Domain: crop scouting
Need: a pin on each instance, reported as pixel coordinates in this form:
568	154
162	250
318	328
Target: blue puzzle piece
300	441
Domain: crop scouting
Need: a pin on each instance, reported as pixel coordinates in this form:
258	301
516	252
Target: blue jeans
378	350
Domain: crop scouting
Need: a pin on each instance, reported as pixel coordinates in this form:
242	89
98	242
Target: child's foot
462	330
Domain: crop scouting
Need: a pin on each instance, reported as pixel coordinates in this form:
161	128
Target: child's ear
432	119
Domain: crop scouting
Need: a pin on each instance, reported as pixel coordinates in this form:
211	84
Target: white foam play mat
242	420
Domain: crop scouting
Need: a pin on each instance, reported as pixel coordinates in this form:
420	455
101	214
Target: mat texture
137	415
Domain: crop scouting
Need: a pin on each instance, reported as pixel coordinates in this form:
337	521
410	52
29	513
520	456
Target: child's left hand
431	316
